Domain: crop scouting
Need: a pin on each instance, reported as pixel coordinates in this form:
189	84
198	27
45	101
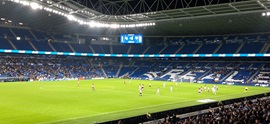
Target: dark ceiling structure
124	7
171	17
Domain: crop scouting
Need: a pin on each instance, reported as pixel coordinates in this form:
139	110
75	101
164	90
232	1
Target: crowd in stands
246	112
47	67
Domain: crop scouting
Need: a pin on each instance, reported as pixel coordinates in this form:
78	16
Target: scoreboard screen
131	38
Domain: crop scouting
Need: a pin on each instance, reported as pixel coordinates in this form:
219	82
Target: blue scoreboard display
131	38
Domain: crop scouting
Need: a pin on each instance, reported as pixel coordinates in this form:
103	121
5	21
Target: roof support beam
58	2
259	2
234	7
208	10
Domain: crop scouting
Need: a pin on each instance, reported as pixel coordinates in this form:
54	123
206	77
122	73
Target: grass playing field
65	102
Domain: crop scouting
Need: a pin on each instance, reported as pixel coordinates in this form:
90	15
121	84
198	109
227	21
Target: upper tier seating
171	49
42	45
154	49
207	49
254	47
228	48
137	49
5	32
5	44
22	44
61	47
81	48
23	33
118	49
188	49
254	43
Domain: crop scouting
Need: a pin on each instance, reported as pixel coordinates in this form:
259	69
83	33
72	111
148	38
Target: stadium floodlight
59	11
114	26
26	3
18	38
2	19
34	5
92	24
268	13
263	14
70	17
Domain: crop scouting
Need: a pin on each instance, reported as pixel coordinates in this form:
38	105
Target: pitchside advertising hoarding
131	38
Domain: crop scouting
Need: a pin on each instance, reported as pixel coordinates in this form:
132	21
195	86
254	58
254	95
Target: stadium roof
175	17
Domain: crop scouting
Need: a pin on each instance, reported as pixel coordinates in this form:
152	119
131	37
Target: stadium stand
5	43
5	32
252	111
120	49
44	68
23	33
22	44
42	45
199	30
81	48
61	47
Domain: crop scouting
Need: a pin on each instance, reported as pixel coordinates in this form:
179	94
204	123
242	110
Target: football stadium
134	61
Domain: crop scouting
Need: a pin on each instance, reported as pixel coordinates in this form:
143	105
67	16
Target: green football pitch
65	102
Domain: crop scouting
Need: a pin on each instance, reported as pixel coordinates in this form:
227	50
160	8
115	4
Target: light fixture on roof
2	19
20	23
263	14
34	5
70	17
18	38
9	21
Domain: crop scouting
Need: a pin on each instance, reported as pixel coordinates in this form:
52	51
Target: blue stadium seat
228	48
137	49
5	32
189	49
106	49
253	47
171	49
61	47
22	44
81	48
5	44
40	35
154	49
42	45
97	49
207	49
23	33
118	49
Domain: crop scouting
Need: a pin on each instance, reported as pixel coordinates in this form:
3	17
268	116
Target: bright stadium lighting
91	24
2	19
59	11
263	14
18	38
268	13
70	17
34	5
114	26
